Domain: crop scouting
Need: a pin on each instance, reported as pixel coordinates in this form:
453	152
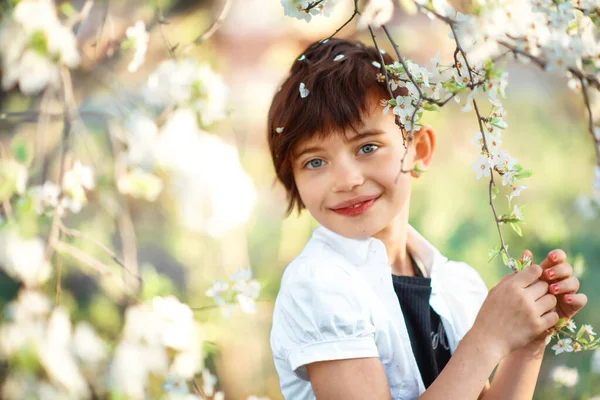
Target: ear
424	142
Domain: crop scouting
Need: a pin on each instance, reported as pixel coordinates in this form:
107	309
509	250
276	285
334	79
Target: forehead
371	120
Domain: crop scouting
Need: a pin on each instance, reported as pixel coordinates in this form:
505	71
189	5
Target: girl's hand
558	273
516	310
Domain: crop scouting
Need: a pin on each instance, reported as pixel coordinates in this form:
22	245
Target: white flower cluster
43	339
33	45
585	335
306	9
45	198
160	338
188	84
244	290
206	202
23	258
562	33
139	37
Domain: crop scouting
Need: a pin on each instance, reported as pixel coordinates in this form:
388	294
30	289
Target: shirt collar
365	252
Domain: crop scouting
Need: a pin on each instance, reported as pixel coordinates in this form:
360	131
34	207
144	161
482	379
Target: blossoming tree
162	146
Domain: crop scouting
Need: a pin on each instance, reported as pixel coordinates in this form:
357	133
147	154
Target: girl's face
352	183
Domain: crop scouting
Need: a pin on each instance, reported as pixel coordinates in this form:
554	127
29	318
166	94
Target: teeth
356	205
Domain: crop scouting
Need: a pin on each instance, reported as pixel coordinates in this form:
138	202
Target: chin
353	231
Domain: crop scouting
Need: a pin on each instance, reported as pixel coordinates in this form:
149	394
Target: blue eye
368	148
316	163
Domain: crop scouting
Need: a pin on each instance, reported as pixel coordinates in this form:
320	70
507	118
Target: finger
553	258
545	303
575	300
569	285
549	319
558	272
537	289
528	275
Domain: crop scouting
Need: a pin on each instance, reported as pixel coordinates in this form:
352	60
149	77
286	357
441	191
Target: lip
352	202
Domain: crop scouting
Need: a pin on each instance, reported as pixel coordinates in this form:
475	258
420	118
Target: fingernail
555	288
553	256
569	298
550	273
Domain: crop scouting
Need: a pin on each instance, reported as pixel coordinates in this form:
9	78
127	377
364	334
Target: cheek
310	189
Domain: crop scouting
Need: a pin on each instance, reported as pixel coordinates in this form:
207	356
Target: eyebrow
359	136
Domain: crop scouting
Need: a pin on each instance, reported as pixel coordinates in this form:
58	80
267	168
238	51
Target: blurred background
179	253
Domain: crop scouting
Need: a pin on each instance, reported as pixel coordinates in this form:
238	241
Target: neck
394	236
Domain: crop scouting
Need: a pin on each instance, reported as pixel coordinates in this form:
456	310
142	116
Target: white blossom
298	9
23	258
140	38
482	166
517	213
562	345
376	13
33	44
589	330
188	84
303	90
565	376
89	347
516	192
207	201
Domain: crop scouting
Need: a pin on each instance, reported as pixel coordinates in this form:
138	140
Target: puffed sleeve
319	315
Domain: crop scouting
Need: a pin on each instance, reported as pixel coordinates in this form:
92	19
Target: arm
517	374
515	311
362	378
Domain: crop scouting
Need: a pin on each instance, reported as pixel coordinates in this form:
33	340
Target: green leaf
392	102
524	174
516	228
127	44
67	9
431	107
39	43
580	332
561	322
498	123
504	258
495	191
418	170
21	150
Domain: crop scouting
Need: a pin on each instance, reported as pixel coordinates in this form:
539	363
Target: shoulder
317	266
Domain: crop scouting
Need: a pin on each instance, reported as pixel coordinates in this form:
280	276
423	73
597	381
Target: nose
346	177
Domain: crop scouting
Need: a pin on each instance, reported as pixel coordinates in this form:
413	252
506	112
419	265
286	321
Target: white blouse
337	301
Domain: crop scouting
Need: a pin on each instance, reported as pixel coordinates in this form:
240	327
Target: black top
425	330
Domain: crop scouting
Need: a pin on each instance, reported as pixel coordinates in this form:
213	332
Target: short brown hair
337	100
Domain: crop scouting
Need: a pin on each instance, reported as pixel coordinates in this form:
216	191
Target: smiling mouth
357	209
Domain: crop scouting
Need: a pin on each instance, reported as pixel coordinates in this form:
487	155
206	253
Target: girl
370	309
